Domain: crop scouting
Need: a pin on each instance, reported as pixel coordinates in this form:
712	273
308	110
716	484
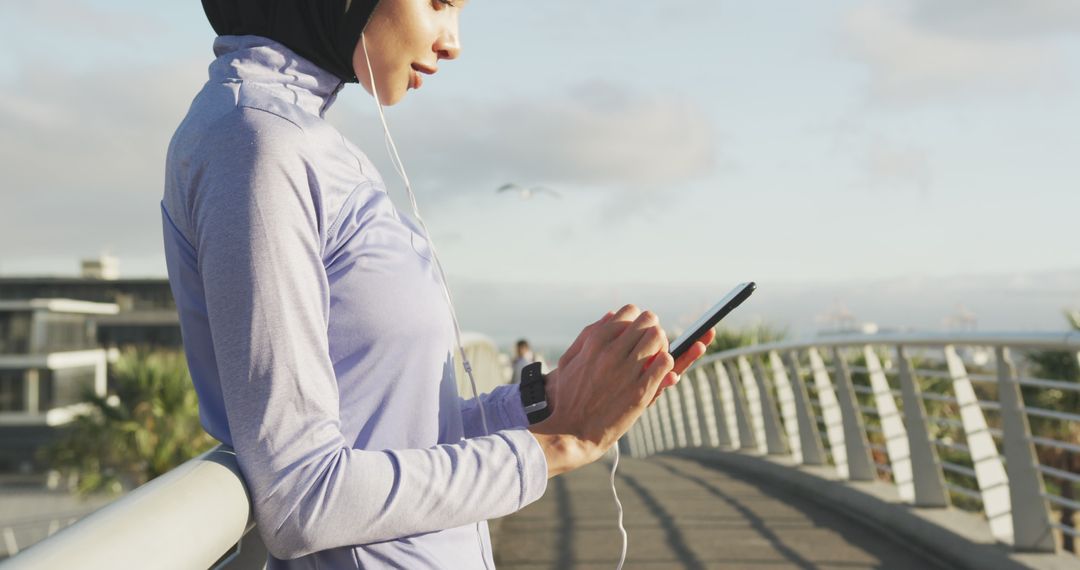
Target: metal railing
941	416
197	515
17	534
188	518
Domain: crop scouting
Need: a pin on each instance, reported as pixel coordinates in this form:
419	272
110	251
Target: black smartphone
707	321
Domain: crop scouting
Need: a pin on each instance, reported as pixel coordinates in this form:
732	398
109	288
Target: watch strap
534	394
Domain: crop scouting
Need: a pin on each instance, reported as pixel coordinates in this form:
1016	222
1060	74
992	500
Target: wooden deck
682	514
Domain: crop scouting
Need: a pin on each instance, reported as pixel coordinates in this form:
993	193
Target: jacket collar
274	68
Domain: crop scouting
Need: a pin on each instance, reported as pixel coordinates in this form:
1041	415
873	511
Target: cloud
999	19
85	20
887	164
83	156
880	161
595	136
918	50
83	152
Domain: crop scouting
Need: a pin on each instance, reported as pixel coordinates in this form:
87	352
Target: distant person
524	356
314	315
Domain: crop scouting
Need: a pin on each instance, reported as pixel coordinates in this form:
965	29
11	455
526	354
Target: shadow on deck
683	514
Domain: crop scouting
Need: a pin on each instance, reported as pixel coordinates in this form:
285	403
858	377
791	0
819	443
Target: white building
49	359
104	267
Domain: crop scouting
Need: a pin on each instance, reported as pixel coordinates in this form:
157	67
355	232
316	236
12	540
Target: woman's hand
696	351
612	372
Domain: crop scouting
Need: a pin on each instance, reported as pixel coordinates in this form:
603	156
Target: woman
314	319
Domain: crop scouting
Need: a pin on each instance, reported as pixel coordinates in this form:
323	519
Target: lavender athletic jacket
318	336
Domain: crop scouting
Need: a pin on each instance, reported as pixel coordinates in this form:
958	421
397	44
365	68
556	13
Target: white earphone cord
618	504
400	168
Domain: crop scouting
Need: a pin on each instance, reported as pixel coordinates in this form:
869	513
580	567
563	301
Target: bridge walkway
683	514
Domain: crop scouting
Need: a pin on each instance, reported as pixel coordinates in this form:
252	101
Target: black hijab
323	31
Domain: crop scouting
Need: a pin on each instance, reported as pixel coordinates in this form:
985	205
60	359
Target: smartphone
707	321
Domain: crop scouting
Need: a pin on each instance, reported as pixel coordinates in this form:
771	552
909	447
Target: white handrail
1046	341
194	516
187	518
1014	502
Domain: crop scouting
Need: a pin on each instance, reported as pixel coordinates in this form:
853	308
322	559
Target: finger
696	351
670	379
614	326
582	337
627	313
652	342
627	342
656	373
648	362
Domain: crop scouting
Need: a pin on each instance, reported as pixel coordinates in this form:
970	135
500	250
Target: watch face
532	372
533	393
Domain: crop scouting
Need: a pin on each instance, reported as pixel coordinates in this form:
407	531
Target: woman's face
405	41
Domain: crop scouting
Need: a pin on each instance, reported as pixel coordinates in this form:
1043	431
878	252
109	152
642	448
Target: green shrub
147	425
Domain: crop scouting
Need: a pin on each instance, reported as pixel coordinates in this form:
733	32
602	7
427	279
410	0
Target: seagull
526	193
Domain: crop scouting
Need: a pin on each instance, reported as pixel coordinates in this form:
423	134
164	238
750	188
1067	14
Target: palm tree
145	427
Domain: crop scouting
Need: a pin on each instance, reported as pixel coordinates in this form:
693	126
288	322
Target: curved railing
195	516
937	415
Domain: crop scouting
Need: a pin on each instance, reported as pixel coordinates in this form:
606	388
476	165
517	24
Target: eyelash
445	2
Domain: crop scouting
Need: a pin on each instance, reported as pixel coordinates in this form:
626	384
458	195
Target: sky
909	162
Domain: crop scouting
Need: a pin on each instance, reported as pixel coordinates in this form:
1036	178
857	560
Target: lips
417	79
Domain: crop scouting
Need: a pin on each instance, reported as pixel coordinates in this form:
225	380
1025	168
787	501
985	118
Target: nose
448	44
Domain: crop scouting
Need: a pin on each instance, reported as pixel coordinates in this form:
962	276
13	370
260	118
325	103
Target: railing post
775	443
674	401
929	480
642	431
626	443
809	437
645	423
657	428
1030	513
727	418
710	426
892	427
830	412
754	400
989	472
770	415
690	411
749	385
785	397
666	429
633	436
860	464
10	542
747	434
650	442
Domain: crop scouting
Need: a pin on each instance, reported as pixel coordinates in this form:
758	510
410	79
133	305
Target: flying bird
526	193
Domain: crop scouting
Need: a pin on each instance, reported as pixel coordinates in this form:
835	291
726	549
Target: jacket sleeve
258	235
503	409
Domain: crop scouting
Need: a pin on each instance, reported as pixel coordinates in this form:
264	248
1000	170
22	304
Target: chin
389	99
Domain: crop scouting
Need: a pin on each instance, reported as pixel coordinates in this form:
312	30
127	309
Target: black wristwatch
533	394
